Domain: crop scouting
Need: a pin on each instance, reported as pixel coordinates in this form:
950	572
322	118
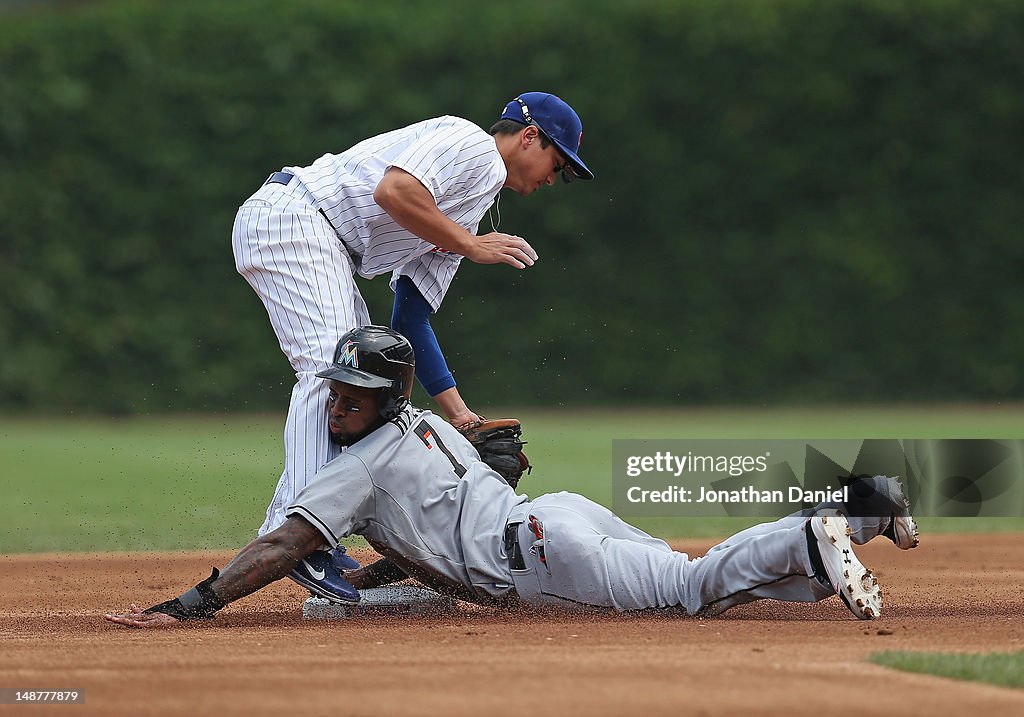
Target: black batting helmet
375	357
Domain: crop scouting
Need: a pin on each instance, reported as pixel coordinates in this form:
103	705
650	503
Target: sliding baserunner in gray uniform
418	492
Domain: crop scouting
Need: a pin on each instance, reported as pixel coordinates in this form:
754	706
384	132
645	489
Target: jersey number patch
432	440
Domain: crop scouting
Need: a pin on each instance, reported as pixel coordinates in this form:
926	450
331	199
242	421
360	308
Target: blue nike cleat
342	560
318	573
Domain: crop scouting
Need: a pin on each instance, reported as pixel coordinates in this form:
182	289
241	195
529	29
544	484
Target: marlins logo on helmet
348	356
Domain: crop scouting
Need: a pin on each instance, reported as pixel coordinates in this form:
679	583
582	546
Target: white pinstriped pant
294	261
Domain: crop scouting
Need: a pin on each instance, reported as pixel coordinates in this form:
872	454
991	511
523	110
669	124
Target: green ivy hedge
796	201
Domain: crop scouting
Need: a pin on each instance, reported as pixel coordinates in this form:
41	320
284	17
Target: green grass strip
998	668
169	482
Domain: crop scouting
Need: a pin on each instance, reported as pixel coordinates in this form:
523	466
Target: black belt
286	178
512	549
280	178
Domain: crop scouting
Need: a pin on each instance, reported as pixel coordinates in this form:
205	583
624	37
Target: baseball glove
500	446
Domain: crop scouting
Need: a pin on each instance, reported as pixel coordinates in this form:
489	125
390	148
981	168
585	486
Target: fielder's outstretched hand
137	617
498	248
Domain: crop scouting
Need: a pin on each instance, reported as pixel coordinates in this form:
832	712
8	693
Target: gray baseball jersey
418	492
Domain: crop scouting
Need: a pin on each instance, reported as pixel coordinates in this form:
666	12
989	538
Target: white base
388	600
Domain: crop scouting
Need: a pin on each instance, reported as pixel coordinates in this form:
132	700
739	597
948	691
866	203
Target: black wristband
196	604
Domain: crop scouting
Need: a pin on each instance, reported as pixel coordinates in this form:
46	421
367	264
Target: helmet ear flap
400	404
395	399
391	405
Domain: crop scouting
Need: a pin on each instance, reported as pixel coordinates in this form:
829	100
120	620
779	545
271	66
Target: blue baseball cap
559	123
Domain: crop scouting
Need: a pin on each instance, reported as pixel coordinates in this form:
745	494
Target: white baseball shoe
880	499
903	532
903	528
836	565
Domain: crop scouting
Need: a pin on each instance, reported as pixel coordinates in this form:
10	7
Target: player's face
537	165
352	412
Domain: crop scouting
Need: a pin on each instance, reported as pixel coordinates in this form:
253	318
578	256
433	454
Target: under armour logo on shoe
846	556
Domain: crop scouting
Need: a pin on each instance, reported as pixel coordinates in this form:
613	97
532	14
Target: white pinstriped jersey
455	160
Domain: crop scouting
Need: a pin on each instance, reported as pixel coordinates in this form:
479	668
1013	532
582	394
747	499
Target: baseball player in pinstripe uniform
406	203
419	493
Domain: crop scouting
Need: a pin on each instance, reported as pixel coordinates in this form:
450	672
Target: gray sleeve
339	500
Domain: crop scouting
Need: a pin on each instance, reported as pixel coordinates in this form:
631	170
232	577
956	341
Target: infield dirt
259	656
